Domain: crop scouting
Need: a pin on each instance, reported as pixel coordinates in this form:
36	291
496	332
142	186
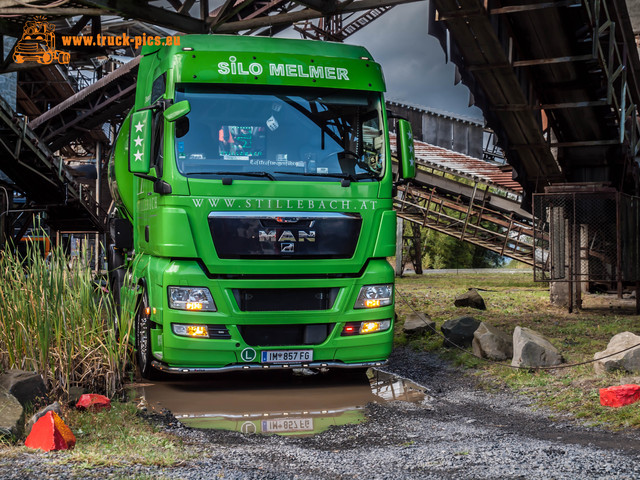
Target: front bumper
179	354
257	366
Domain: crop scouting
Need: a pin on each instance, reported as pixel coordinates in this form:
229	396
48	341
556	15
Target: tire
116	272
46	58
143	340
63	57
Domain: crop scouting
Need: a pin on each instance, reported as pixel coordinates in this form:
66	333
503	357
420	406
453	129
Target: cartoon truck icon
38	44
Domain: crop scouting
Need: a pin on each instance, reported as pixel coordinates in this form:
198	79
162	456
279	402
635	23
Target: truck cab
254	188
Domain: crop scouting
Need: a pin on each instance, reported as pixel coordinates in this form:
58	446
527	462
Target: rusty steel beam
291	17
89	108
148	13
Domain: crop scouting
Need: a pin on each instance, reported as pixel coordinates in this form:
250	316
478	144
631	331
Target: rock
93	402
530	349
628	361
470	299
11	414
489	342
50	433
459	331
54	407
27	387
418	325
619	395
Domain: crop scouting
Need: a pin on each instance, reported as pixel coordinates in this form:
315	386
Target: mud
288	403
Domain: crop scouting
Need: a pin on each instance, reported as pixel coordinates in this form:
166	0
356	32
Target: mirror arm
159	185
159	105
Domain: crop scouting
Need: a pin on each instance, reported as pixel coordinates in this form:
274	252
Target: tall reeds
55	319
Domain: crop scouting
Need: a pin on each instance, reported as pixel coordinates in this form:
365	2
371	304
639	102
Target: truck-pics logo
38	44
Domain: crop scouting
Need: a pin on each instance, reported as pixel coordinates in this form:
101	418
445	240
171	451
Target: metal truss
470	220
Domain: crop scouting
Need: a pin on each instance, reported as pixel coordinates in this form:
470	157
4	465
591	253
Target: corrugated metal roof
464	166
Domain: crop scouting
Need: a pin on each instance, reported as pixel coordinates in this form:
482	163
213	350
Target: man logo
287	247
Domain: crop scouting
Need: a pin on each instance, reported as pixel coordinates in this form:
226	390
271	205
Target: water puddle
279	403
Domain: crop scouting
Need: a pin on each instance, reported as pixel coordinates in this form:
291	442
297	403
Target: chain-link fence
586	236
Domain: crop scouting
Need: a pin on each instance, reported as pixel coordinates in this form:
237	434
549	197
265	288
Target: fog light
374	296
190	330
371	327
362	328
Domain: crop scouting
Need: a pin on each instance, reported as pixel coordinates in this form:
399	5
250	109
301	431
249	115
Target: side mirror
406	150
140	141
177	110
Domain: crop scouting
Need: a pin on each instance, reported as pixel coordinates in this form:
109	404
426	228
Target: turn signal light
190	330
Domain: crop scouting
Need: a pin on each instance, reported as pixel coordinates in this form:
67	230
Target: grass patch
121	437
515	300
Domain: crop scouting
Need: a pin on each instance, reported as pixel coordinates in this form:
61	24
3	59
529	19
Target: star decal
138	141
139	126
138	156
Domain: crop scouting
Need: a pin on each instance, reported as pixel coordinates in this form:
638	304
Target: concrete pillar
584	258
559	250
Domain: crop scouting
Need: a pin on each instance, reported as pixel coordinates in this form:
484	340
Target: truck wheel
46	58
63	57
143	340
116	273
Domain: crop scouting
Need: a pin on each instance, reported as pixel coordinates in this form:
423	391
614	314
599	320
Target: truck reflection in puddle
276	404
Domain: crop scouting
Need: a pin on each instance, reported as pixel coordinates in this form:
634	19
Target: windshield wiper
247	174
347	176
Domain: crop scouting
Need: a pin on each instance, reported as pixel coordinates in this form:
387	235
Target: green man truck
253	182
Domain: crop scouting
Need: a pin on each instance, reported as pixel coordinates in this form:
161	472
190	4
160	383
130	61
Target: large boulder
531	349
489	342
459	331
470	299
27	387
628	361
11	415
418	325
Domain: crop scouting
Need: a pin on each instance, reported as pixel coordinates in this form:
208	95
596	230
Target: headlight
374	296
191	298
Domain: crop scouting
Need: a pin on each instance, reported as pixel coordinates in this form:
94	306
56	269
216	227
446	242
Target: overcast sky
413	61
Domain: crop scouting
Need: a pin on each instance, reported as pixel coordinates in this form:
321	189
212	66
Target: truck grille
282	335
218	332
280	299
291	235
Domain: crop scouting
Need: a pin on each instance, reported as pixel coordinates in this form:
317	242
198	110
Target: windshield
280	134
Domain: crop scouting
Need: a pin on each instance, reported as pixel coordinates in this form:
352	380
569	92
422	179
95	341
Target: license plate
287	425
286	356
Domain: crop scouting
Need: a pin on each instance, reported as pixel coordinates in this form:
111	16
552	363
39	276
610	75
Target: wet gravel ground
461	432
